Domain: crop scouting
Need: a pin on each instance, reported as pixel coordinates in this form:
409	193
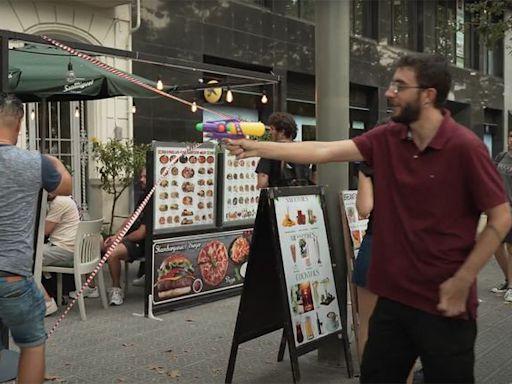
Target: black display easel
264	305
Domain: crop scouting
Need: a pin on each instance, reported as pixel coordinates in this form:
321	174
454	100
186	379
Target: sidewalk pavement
192	345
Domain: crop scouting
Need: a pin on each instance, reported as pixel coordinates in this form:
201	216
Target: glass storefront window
400	23
356	16
445	29
301	9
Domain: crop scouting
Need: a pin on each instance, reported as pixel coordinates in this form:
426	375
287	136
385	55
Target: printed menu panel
186	195
199	265
241	196
357	225
314	306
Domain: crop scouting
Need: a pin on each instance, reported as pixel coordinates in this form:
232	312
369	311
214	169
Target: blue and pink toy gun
232	129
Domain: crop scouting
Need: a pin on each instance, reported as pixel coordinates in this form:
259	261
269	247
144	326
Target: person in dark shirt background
276	173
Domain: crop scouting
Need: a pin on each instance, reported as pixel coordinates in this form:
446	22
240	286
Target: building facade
72	124
267	36
278	36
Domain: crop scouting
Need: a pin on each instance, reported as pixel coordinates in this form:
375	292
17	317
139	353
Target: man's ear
431	95
18	127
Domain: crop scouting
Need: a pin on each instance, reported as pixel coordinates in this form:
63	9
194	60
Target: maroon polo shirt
427	207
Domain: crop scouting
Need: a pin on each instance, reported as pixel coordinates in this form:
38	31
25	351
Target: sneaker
500	288
116	296
508	295
139	281
91	292
51	307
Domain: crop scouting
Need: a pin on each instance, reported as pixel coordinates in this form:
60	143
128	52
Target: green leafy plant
490	19
118	162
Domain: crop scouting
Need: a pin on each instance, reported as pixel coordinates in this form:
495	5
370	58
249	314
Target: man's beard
409	114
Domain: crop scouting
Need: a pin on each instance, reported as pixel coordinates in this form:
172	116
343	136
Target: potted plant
118	161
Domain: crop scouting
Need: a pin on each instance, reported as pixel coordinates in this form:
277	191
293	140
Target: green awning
41	72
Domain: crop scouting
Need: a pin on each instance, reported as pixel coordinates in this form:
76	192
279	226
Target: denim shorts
362	262
22	310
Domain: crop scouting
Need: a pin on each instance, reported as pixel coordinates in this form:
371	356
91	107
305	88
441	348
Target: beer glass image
298	331
293	251
309	328
307	298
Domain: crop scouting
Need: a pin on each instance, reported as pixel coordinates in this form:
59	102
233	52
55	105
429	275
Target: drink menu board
357	225
185	197
240	197
311	289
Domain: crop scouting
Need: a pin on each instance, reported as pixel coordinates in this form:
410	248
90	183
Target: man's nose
389	93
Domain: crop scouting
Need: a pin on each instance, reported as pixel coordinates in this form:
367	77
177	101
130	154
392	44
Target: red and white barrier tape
119	236
133	217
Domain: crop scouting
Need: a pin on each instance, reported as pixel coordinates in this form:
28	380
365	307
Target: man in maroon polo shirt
433	178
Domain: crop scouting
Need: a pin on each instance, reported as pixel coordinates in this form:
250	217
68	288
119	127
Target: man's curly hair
283	122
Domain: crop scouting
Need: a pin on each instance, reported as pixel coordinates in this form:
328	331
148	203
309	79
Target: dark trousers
399	334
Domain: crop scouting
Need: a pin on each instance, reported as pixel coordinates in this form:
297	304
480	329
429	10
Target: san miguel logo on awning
78	86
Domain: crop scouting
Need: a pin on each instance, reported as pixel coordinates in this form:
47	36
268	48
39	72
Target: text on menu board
309	276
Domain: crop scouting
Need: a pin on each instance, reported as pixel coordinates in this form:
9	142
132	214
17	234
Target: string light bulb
77	112
32	114
134	108
264	98
71	77
229	96
159	84
193	107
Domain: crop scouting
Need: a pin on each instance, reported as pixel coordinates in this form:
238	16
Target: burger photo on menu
175	277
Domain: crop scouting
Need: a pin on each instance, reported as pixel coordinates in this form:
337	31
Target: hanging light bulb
229	96
71	77
32	114
159	84
264	98
134	108
193	107
77	112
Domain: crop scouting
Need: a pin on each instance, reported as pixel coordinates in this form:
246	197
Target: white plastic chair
86	257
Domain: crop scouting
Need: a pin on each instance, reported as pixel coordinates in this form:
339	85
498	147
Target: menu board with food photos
185	195
240	194
309	277
195	266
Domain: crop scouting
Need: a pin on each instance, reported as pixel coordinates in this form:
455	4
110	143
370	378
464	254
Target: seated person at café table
130	248
60	226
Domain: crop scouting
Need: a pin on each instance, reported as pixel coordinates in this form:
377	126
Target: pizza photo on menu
213	262
239	250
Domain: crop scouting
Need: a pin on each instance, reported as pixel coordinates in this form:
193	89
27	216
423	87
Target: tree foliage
118	161
491	19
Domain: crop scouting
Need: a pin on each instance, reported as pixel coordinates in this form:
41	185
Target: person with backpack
276	173
503	162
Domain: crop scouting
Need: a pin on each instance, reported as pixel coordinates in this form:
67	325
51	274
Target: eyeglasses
399	87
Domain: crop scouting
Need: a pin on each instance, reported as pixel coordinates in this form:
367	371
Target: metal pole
507	80
4	72
332	59
4	64
43	128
